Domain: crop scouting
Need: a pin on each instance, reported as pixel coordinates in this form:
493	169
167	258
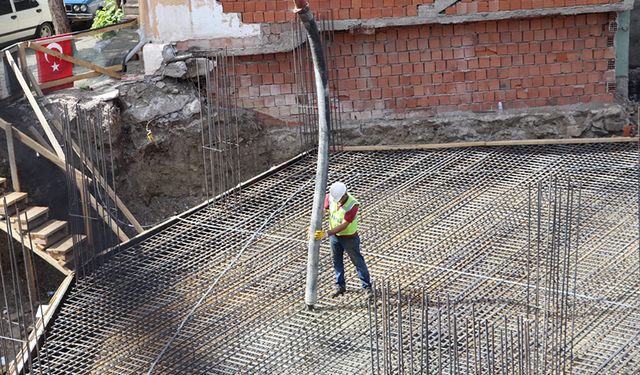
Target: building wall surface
278	11
404	58
440	68
176	20
475	6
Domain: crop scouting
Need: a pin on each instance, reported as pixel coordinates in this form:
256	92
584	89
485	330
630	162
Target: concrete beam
284	42
427	14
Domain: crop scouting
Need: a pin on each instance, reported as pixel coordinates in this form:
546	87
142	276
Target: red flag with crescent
52	68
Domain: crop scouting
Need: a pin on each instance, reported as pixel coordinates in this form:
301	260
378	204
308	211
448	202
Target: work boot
338	291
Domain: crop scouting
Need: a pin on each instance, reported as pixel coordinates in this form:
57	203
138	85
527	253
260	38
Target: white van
20	19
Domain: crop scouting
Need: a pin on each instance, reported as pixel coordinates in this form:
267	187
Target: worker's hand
320	235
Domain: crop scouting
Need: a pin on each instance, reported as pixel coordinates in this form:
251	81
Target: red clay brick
410	66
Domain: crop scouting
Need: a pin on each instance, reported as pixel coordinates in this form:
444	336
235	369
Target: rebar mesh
225	157
454	222
91	159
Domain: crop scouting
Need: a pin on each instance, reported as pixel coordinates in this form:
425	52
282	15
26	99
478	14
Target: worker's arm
338	229
321	234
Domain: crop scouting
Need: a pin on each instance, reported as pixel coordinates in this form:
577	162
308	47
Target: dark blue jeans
351	246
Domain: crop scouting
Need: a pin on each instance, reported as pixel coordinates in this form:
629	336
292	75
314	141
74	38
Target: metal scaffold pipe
321	80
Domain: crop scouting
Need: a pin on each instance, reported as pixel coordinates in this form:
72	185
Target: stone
574	131
611	118
168	52
575	128
145	101
199	66
192	108
531	123
152	57
615	125
176	69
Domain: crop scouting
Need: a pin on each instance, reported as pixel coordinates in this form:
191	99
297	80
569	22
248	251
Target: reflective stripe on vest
336	215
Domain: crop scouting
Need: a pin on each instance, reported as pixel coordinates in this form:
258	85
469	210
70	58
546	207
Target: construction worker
343	234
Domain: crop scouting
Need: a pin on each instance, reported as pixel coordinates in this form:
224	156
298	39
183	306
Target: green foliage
109	15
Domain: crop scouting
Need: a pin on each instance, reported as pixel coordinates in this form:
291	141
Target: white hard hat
337	191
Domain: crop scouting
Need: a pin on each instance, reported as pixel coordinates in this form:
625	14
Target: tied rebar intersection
471	228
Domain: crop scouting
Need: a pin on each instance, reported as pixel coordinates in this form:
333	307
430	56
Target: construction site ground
220	288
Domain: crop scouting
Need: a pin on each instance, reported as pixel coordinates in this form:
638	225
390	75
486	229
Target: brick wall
269	11
438	68
280	11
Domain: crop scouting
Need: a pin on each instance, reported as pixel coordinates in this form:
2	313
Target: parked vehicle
81	11
20	19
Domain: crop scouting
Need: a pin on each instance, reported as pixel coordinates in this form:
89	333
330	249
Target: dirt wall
156	131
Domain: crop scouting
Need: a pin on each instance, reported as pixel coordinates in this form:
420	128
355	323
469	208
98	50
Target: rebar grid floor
453	221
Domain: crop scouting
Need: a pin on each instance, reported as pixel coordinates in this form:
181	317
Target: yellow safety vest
336	215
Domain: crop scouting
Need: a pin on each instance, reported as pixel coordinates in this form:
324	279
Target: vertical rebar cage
92	210
226	158
304	83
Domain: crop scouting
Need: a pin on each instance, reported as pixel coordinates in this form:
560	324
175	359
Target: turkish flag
52	68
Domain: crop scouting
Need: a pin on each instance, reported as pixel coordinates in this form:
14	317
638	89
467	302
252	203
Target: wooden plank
124	25
36	108
65	245
42	254
78	77
30	218
12	198
48	229
74	60
119	26
26	71
51	157
525	142
43	244
36	134
15	181
19	364
35	146
22	58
